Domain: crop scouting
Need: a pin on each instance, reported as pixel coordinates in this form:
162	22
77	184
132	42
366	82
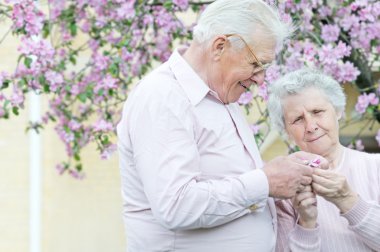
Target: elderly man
192	176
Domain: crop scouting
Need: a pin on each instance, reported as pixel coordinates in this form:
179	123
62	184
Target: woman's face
311	121
236	70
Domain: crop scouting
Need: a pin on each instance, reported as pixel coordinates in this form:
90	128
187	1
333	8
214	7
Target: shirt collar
194	87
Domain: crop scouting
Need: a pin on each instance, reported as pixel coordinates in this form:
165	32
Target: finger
306	180
305	195
307	188
320	190
322	181
308	202
324	173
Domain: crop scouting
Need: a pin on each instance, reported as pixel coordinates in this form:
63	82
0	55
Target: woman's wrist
309	224
347	203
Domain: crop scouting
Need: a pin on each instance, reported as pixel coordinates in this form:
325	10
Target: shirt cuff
256	189
307	235
357	213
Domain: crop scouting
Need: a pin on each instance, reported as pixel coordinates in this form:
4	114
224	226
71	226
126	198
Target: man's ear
219	45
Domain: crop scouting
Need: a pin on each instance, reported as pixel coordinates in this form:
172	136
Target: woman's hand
334	188
305	202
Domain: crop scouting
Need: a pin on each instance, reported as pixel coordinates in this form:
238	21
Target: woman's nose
311	125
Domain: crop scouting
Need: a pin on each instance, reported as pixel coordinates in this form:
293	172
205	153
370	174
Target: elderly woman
340	211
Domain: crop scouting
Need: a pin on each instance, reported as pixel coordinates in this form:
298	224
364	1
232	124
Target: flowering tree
120	39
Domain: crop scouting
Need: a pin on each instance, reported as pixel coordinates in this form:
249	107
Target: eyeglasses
261	66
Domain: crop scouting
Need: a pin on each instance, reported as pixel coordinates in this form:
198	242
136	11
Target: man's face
239	69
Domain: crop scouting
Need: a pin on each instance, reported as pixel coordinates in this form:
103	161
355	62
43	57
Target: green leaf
82	97
73	29
15	110
28	61
46	30
5	84
72	59
76	156
168	5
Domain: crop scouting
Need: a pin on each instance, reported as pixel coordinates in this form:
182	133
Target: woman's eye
297	120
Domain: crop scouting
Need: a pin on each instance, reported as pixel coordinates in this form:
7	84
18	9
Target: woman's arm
292	236
363	216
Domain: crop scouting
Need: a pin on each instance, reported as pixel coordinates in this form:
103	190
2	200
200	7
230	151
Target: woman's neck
334	157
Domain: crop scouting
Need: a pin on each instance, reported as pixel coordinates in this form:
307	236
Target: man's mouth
241	84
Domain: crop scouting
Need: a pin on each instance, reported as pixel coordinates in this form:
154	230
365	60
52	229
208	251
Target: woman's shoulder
363	157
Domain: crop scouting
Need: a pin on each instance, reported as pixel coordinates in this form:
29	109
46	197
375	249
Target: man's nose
258	78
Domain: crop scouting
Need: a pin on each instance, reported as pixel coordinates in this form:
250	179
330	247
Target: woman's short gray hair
243	17
294	83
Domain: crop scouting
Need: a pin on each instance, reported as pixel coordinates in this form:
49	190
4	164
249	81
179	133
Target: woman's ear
219	45
339	115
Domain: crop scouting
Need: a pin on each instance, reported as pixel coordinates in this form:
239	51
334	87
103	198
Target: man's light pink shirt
190	169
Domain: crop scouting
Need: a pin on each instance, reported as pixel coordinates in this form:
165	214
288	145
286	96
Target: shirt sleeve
291	236
168	163
364	221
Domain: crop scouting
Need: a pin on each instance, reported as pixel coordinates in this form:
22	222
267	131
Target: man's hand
287	175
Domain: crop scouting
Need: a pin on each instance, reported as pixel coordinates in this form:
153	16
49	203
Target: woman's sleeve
364	217
291	236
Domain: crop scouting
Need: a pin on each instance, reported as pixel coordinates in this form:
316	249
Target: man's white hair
248	18
294	83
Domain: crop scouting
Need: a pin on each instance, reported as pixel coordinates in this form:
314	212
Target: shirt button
253	207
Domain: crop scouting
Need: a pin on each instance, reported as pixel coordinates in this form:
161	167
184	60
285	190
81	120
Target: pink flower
108	151
330	33
126	10
347	72
102	125
358	145
245	98
55	80
255	128
365	100
182	4
77	175
263	92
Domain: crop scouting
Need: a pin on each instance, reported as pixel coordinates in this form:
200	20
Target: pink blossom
255	128
263	92
245	98
17	97
358	145
74	125
2	112
126	10
77	175
182	4
330	33
102	125
364	101
273	73
347	72
108	151
55	80
60	168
